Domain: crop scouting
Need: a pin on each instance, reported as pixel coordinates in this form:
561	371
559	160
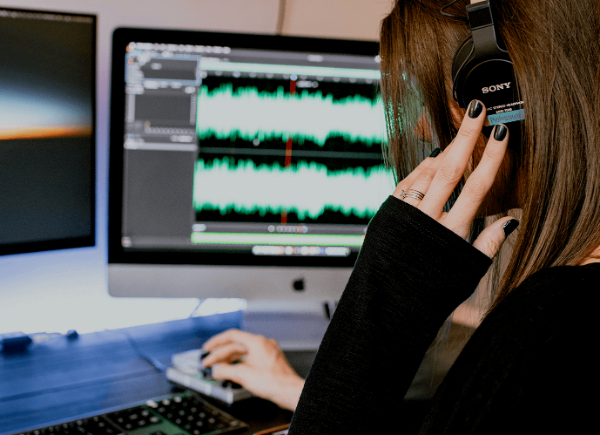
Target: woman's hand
262	368
437	177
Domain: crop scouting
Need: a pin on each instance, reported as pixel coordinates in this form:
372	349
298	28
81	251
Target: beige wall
336	18
332	18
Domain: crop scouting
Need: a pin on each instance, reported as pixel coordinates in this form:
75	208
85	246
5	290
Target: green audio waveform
249	114
306	188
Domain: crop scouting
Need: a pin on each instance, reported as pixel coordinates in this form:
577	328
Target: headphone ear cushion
462	54
461	57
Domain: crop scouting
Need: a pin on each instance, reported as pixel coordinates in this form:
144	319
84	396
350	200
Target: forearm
411	274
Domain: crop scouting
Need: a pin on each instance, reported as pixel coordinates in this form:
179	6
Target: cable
452	15
280	17
200	302
158	366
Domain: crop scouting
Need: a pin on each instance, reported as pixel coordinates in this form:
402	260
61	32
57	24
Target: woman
529	367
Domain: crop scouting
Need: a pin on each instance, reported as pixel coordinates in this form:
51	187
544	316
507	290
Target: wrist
288	392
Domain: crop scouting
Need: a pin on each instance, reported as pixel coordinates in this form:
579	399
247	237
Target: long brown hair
554	46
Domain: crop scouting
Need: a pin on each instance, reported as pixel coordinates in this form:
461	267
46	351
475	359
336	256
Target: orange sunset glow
43	132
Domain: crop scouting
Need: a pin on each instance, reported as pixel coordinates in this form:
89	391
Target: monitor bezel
121	39
74	242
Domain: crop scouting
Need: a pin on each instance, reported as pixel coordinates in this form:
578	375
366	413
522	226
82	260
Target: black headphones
482	69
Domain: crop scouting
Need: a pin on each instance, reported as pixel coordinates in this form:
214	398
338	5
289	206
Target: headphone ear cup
482	69
461	58
491	81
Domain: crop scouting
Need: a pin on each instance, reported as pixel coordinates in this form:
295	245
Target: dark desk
58	379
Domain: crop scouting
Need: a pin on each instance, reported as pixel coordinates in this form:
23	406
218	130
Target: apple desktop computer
47	130
241	166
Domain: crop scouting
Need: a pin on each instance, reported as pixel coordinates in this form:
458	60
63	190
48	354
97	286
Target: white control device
188	371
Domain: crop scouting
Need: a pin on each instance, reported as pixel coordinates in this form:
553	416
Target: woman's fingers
421	184
426	168
225	354
219	340
227	346
421	177
232	344
406	184
455	161
491	239
478	184
238	373
229	336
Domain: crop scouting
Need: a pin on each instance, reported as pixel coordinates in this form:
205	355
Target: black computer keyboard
175	414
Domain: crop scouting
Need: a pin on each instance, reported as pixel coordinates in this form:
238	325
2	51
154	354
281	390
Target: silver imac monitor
241	165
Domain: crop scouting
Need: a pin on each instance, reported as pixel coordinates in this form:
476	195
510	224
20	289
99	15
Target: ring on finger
412	193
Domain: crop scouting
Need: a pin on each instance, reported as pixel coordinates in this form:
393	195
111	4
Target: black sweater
527	369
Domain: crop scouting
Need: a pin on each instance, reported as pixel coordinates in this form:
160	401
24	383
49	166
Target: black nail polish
510	226
500	132
436	152
475	108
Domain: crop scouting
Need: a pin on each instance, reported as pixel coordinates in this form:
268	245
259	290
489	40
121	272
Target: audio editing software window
251	151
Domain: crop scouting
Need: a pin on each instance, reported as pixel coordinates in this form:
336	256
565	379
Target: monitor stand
295	326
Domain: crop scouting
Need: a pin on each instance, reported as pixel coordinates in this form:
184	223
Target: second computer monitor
47	130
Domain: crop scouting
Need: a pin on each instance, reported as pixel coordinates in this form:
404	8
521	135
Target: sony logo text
496	88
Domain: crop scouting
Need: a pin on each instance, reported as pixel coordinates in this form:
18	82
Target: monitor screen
236	153
47	138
